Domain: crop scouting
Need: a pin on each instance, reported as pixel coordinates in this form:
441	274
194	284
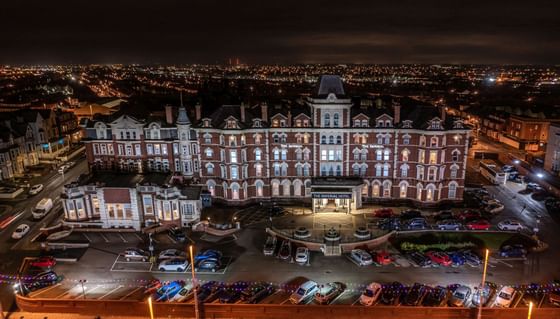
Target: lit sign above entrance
331	196
372	146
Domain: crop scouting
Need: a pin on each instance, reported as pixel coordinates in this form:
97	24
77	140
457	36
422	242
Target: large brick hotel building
328	148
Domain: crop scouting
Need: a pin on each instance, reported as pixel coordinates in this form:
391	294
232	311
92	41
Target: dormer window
435	124
305	123
380	123
275	123
298	123
257	123
388	123
282	123
365	123
357	123
231	124
206	123
458	124
407	124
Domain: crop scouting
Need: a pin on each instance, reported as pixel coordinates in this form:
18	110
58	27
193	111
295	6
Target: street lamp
530	310
482	284
540	175
197	315
83	281
151	307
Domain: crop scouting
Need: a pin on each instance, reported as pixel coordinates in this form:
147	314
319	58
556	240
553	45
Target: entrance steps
331	250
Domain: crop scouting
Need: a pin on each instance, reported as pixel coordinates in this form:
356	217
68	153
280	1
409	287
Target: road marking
171	238
122	237
105	238
45	290
86	236
130	293
110	292
140	238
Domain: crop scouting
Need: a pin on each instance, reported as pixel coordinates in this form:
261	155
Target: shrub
408	246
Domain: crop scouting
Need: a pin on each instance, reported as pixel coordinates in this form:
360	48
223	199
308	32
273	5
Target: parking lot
121	265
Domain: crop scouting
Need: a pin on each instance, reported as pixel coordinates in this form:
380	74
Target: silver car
174	264
135	254
460	296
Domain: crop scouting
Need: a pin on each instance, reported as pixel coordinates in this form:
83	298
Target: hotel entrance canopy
336	193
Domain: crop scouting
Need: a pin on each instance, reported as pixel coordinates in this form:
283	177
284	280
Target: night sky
303	31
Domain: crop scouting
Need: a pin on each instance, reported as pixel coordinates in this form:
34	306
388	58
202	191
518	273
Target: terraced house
333	150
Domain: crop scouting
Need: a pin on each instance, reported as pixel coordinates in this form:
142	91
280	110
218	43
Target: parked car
43	279
554	298
135	254
36	189
505	297
519	179
479	224
183	295
390	224
391	293
414	295
532	295
285	251
306	291
361	257
513	251
208	264
469	215
510	224
419	259
177	234
416	224
410	213
444	215
460	296
371	294
487	293
533	186
508	168
439	258
435	297
382	257
449	224
269	246
174	264
206	254
168	291
171	253
152	287
232	293
20	231
256	292
43	262
383	213
457	258
302	255
494	208
471	258
327	293
208	292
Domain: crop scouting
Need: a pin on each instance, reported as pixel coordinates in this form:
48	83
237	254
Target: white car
174	264
20	231
362	257
494	208
510	224
185	293
371	294
171	253
36	189
302	255
304	292
505	297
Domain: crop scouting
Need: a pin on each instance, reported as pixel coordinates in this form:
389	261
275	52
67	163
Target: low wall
11	195
234	311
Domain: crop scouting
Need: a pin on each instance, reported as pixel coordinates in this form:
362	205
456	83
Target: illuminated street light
540	175
196	313
482	284
530	310
516	161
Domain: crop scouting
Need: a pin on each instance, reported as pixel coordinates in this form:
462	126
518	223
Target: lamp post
196	313
151	308
479	316
530	310
83	281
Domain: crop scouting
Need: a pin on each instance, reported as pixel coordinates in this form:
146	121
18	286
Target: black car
209	264
209	291
410	213
444	215
414	295
390	224
436	297
256	292
420	259
43	279
177	234
232	293
391	293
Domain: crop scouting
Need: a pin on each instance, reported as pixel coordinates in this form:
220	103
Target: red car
152	287
439	258
44	262
382	257
383	213
480	224
469	215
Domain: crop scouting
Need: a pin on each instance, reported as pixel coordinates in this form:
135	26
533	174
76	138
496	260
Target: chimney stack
289	118
397	111
264	112
443	113
242	110
197	111
169	114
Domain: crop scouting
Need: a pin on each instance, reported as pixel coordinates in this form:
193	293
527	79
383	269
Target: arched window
275	188
378	155
323	139
335	120
209	153
365	189
422	141
210	169
386	154
339	139
386	189
331	139
211	187
404	170
419	191
258	169
403	189
387	139
365	123
430	192
297	187
286	188
454	171
386	170
234	191
405	153
433	141
356	169
258	155
338	170
276	153
455	155
259	185
378	168
327	120
452	192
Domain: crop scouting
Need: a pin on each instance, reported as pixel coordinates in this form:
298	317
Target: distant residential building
130	201
294	151
552	156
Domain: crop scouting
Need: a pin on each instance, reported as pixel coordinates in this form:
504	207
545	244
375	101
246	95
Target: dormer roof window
407	124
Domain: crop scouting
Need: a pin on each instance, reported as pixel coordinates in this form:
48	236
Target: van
42	208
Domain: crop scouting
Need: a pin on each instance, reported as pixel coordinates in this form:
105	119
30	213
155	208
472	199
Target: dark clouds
187	31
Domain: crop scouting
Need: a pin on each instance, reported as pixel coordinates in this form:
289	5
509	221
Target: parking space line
140	238
356	302
87	237
130	293
45	290
110	292
172	239
105	238
87	291
122	237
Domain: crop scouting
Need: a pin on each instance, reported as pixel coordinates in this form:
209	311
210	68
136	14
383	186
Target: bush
408	246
